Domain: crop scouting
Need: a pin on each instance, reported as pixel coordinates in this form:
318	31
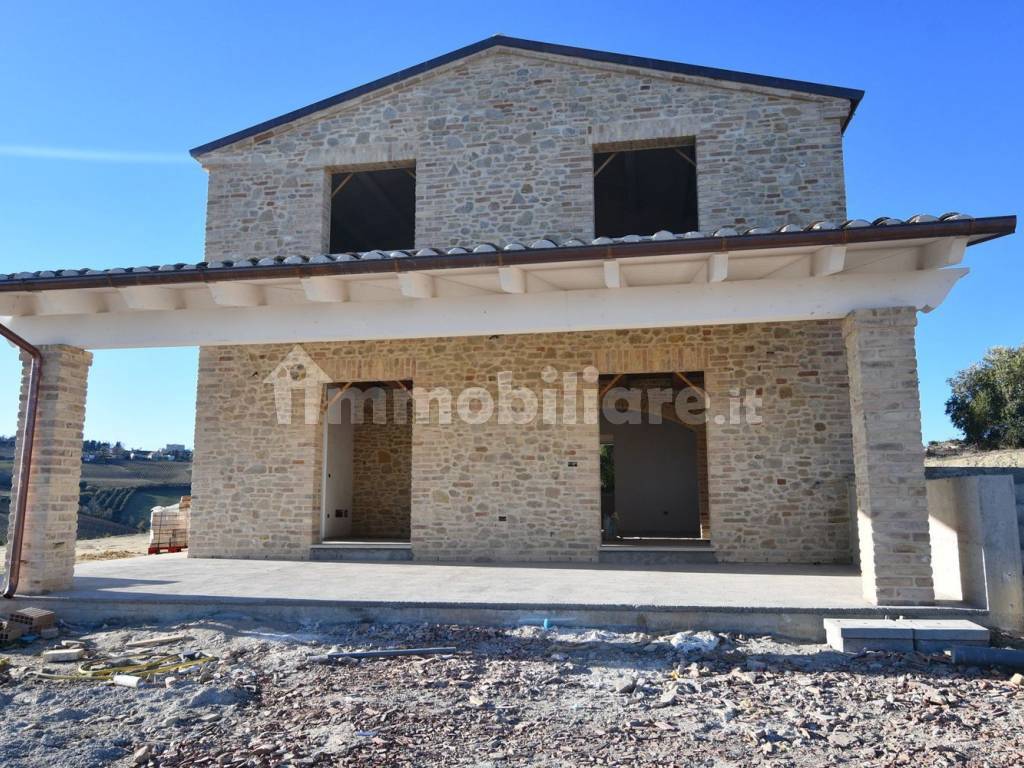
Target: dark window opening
639	192
373	210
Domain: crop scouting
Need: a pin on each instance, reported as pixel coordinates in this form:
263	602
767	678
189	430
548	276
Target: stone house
527	302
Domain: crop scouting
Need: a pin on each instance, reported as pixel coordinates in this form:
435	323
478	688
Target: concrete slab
937	635
926	635
778	599
860	635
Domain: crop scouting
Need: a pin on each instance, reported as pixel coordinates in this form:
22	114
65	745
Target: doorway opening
653	459
367	475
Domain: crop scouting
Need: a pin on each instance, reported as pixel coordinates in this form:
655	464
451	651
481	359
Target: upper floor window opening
642	191
373	210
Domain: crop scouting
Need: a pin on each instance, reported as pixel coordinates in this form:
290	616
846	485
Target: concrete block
938	635
859	635
61	655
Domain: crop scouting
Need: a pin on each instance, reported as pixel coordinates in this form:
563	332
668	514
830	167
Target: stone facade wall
382	473
776	489
503	148
51	526
255	482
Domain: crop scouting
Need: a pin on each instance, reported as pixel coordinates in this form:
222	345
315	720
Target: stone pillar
892	506
51	519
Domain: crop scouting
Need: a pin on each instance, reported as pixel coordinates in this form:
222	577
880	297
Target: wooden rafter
610	157
607	387
686	380
336	396
342	184
685	156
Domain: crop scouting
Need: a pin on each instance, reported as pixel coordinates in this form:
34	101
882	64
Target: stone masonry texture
777	488
382	472
892	506
503	144
51	522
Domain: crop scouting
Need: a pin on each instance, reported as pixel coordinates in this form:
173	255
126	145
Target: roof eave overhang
976	230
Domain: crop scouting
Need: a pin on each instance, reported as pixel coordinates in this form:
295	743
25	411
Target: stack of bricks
169	527
34	621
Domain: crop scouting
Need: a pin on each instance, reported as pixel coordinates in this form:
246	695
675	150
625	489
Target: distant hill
116	496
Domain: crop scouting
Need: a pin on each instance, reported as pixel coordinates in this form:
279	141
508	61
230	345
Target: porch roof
726	276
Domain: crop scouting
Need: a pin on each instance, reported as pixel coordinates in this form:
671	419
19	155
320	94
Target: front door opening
653	462
367	476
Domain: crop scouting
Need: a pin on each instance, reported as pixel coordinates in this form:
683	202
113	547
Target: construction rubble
233	692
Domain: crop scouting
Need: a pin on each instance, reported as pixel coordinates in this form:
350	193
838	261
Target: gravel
519	696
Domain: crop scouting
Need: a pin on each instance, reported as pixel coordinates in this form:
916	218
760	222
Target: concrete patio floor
782	599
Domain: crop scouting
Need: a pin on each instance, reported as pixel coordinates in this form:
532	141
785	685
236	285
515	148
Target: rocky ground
522	696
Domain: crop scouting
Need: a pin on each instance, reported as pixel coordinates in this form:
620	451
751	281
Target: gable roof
659	65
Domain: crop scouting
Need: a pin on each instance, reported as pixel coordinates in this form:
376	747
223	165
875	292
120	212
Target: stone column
51	516
892	506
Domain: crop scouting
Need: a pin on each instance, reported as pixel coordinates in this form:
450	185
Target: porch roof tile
270	266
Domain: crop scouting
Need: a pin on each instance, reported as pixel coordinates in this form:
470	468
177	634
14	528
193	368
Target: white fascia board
745	301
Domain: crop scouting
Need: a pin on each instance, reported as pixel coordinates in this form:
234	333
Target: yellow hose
98	671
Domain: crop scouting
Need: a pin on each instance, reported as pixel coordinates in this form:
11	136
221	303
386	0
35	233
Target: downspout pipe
24	468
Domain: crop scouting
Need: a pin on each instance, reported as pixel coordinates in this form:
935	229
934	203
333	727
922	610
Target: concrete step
361	552
637	554
926	635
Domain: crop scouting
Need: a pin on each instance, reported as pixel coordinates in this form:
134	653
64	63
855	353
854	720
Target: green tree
987	404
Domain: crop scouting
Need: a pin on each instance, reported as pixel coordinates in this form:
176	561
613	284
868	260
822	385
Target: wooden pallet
170	550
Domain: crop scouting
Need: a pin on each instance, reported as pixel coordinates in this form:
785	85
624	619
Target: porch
809	379
788	600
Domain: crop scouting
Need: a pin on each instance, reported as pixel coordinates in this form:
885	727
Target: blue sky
101	101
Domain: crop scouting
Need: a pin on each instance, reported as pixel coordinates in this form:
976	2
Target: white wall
338	447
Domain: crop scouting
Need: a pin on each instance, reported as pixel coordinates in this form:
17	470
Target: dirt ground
106	548
522	696
953	453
